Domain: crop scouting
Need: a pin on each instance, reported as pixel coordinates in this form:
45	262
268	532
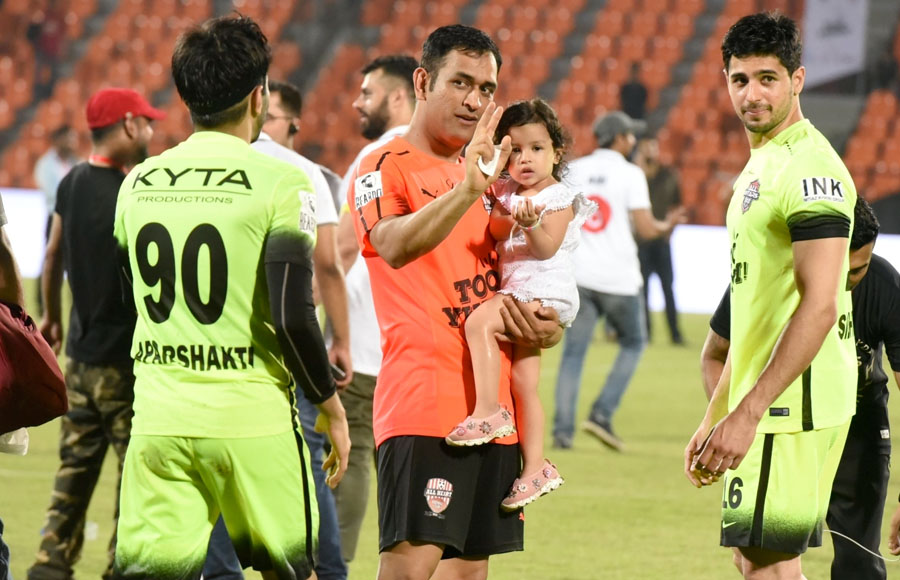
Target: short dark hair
60	132
217	65
398	66
764	34
537	111
865	225
455	37
291	97
100	134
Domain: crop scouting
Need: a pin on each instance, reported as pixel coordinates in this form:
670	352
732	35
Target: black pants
656	256
857	502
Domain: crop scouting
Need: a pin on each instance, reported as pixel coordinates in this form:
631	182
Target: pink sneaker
479	431
526	489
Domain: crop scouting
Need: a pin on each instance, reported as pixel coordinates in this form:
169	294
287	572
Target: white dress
552	281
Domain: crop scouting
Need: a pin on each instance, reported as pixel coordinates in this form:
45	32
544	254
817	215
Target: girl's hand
526	213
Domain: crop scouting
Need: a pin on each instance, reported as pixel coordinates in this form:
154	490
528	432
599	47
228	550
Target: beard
140	154
375	124
776	118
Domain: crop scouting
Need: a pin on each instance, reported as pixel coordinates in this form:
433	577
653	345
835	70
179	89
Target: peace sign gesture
481	147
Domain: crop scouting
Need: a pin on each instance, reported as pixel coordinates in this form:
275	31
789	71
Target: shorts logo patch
885	433
367	188
751	194
438	493
823	189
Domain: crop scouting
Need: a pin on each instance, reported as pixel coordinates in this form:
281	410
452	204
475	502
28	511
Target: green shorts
173	489
778	496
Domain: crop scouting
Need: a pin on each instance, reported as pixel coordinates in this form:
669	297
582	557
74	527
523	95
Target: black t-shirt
101	325
876	325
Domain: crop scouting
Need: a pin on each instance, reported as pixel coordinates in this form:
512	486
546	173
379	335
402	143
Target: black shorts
431	492
858	497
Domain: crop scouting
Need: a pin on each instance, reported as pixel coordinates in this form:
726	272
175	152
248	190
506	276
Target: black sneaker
602	430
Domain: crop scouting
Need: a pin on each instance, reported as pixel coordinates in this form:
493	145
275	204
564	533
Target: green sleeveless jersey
793	188
195	222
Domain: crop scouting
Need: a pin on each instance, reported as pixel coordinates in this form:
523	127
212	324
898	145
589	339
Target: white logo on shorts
438	493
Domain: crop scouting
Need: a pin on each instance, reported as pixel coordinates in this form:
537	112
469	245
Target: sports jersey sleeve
817	201
378	191
720	323
288	259
325	211
638	191
891	326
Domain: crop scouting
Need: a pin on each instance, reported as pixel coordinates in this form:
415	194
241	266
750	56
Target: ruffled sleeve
558	196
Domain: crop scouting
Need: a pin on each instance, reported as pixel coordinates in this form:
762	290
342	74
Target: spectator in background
55	164
50	170
385	105
633	95
47	34
656	254
99	376
884	71
276	139
608	275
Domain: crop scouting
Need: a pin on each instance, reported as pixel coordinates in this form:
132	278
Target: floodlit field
630	515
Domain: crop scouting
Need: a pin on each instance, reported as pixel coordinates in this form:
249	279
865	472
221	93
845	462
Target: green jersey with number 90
195	221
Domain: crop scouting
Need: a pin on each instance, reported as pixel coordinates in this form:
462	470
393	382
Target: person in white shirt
608	274
277	139
385	105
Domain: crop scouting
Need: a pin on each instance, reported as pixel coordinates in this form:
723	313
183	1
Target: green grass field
630	515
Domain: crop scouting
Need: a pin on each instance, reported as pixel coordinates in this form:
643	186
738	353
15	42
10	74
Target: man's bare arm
333	292
10	279
712	360
51	286
819	277
648	227
348	247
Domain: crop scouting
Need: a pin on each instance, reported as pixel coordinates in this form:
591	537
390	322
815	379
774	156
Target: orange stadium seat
610	23
655	6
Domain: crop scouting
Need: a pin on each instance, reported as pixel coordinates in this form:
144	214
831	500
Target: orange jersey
425	386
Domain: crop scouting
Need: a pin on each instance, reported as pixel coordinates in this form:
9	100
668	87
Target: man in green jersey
779	416
219	239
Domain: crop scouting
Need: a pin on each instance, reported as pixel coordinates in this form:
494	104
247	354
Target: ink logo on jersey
367	188
823	189
751	194
438	493
307	212
597	221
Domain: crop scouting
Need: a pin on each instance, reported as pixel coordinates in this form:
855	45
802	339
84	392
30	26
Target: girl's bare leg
482	326
526	372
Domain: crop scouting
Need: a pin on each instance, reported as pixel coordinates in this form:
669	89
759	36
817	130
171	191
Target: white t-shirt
606	260
365	337
325	212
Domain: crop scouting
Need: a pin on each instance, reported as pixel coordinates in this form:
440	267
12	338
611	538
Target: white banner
834	39
700	254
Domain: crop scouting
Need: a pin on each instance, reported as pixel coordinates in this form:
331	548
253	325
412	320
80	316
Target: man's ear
257	99
421	79
798	79
130	126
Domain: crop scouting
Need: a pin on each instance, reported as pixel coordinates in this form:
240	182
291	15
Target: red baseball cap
108	106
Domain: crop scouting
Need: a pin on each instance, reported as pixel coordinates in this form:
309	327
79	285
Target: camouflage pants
100	411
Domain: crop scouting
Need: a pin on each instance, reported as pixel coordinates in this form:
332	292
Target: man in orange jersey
422	225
